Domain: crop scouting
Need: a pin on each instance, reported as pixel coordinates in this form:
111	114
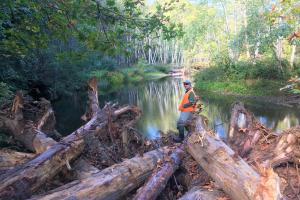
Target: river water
159	100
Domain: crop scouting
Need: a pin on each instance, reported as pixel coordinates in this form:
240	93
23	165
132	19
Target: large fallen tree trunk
10	158
27	127
230	171
19	183
160	177
27	178
262	149
112	182
84	169
198	193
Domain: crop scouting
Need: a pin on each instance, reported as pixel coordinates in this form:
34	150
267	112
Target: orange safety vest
185	100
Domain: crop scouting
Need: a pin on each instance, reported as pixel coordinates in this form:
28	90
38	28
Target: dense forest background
51	48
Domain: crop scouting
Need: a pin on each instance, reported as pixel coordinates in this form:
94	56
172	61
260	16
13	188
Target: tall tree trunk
293	53
245	21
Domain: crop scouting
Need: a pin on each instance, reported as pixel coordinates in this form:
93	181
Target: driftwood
27	178
230	172
112	182
93	103
245	133
198	193
191	174
10	158
84	169
160	177
263	149
244	130
29	130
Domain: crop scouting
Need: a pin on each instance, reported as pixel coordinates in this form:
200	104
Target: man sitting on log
186	108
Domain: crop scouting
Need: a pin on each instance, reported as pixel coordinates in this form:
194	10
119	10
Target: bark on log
22	181
111	183
93	103
24	129
84	169
33	174
229	170
10	158
44	119
268	150
160	177
198	193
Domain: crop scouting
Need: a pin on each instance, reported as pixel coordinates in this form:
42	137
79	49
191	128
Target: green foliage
240	87
5	92
4	140
261	69
59	43
295	91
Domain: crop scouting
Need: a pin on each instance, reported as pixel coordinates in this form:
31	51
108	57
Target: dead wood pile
107	158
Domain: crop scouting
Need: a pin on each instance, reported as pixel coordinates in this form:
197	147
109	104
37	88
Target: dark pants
181	123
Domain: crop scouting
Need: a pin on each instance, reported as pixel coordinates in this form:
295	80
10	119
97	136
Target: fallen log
198	193
10	158
34	173
20	182
112	182
28	130
160	177
228	169
244	130
268	150
191	173
84	169
25	179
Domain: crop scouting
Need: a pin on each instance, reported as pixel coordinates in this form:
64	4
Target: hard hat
187	82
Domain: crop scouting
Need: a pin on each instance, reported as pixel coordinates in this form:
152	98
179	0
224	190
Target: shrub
5	92
162	68
108	79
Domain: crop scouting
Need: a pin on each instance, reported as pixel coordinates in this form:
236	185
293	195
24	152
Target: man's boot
181	134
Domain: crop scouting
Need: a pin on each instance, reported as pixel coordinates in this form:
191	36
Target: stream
159	100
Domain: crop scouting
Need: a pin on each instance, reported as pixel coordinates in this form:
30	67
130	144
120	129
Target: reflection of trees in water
218	108
274	116
159	101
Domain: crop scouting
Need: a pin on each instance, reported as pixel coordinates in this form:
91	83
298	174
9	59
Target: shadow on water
159	100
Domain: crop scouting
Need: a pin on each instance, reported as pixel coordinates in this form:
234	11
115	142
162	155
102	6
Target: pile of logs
109	163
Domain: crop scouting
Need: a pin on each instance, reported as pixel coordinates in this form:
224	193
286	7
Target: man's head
187	84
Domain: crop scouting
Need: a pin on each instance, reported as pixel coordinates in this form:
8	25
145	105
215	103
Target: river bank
259	90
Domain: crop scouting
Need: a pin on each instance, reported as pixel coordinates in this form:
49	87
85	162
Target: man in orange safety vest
186	108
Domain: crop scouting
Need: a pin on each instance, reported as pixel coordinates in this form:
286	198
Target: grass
154	75
112	80
261	78
241	87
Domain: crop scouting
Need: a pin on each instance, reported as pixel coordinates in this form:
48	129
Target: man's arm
191	100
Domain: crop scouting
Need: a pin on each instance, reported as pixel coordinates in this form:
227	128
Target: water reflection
159	100
275	117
